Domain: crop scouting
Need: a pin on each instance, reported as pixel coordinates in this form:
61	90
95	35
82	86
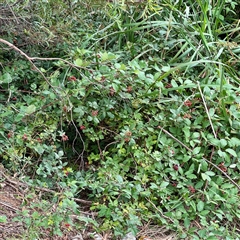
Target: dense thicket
133	106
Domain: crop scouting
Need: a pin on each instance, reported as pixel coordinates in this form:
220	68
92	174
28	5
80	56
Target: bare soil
14	200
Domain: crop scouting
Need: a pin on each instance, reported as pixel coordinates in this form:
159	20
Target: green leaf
193	205
19	117
78	62
204	212
39	149
52	96
200	206
186	222
3	219
212	238
82	91
164	184
211	112
227	185
195	135
7	78
202	233
196	150
234	142
223	143
30	109
186	131
166	68
104	56
119	179
115	86
205	177
232	152
141	75
210	173
191	176
79	110
215	142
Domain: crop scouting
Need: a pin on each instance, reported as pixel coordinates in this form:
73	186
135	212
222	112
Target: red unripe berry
168	85
72	78
112	91
24	137
129	89
82	127
175	167
9	135
191	189
94	113
188	103
67	225
64	137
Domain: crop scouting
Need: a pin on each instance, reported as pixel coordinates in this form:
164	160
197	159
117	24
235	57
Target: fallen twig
9	206
19	183
31	61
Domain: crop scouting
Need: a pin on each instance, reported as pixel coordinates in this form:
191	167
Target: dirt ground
13	200
9	205
13	196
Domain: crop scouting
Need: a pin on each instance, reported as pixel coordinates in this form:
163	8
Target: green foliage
3	219
138	86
